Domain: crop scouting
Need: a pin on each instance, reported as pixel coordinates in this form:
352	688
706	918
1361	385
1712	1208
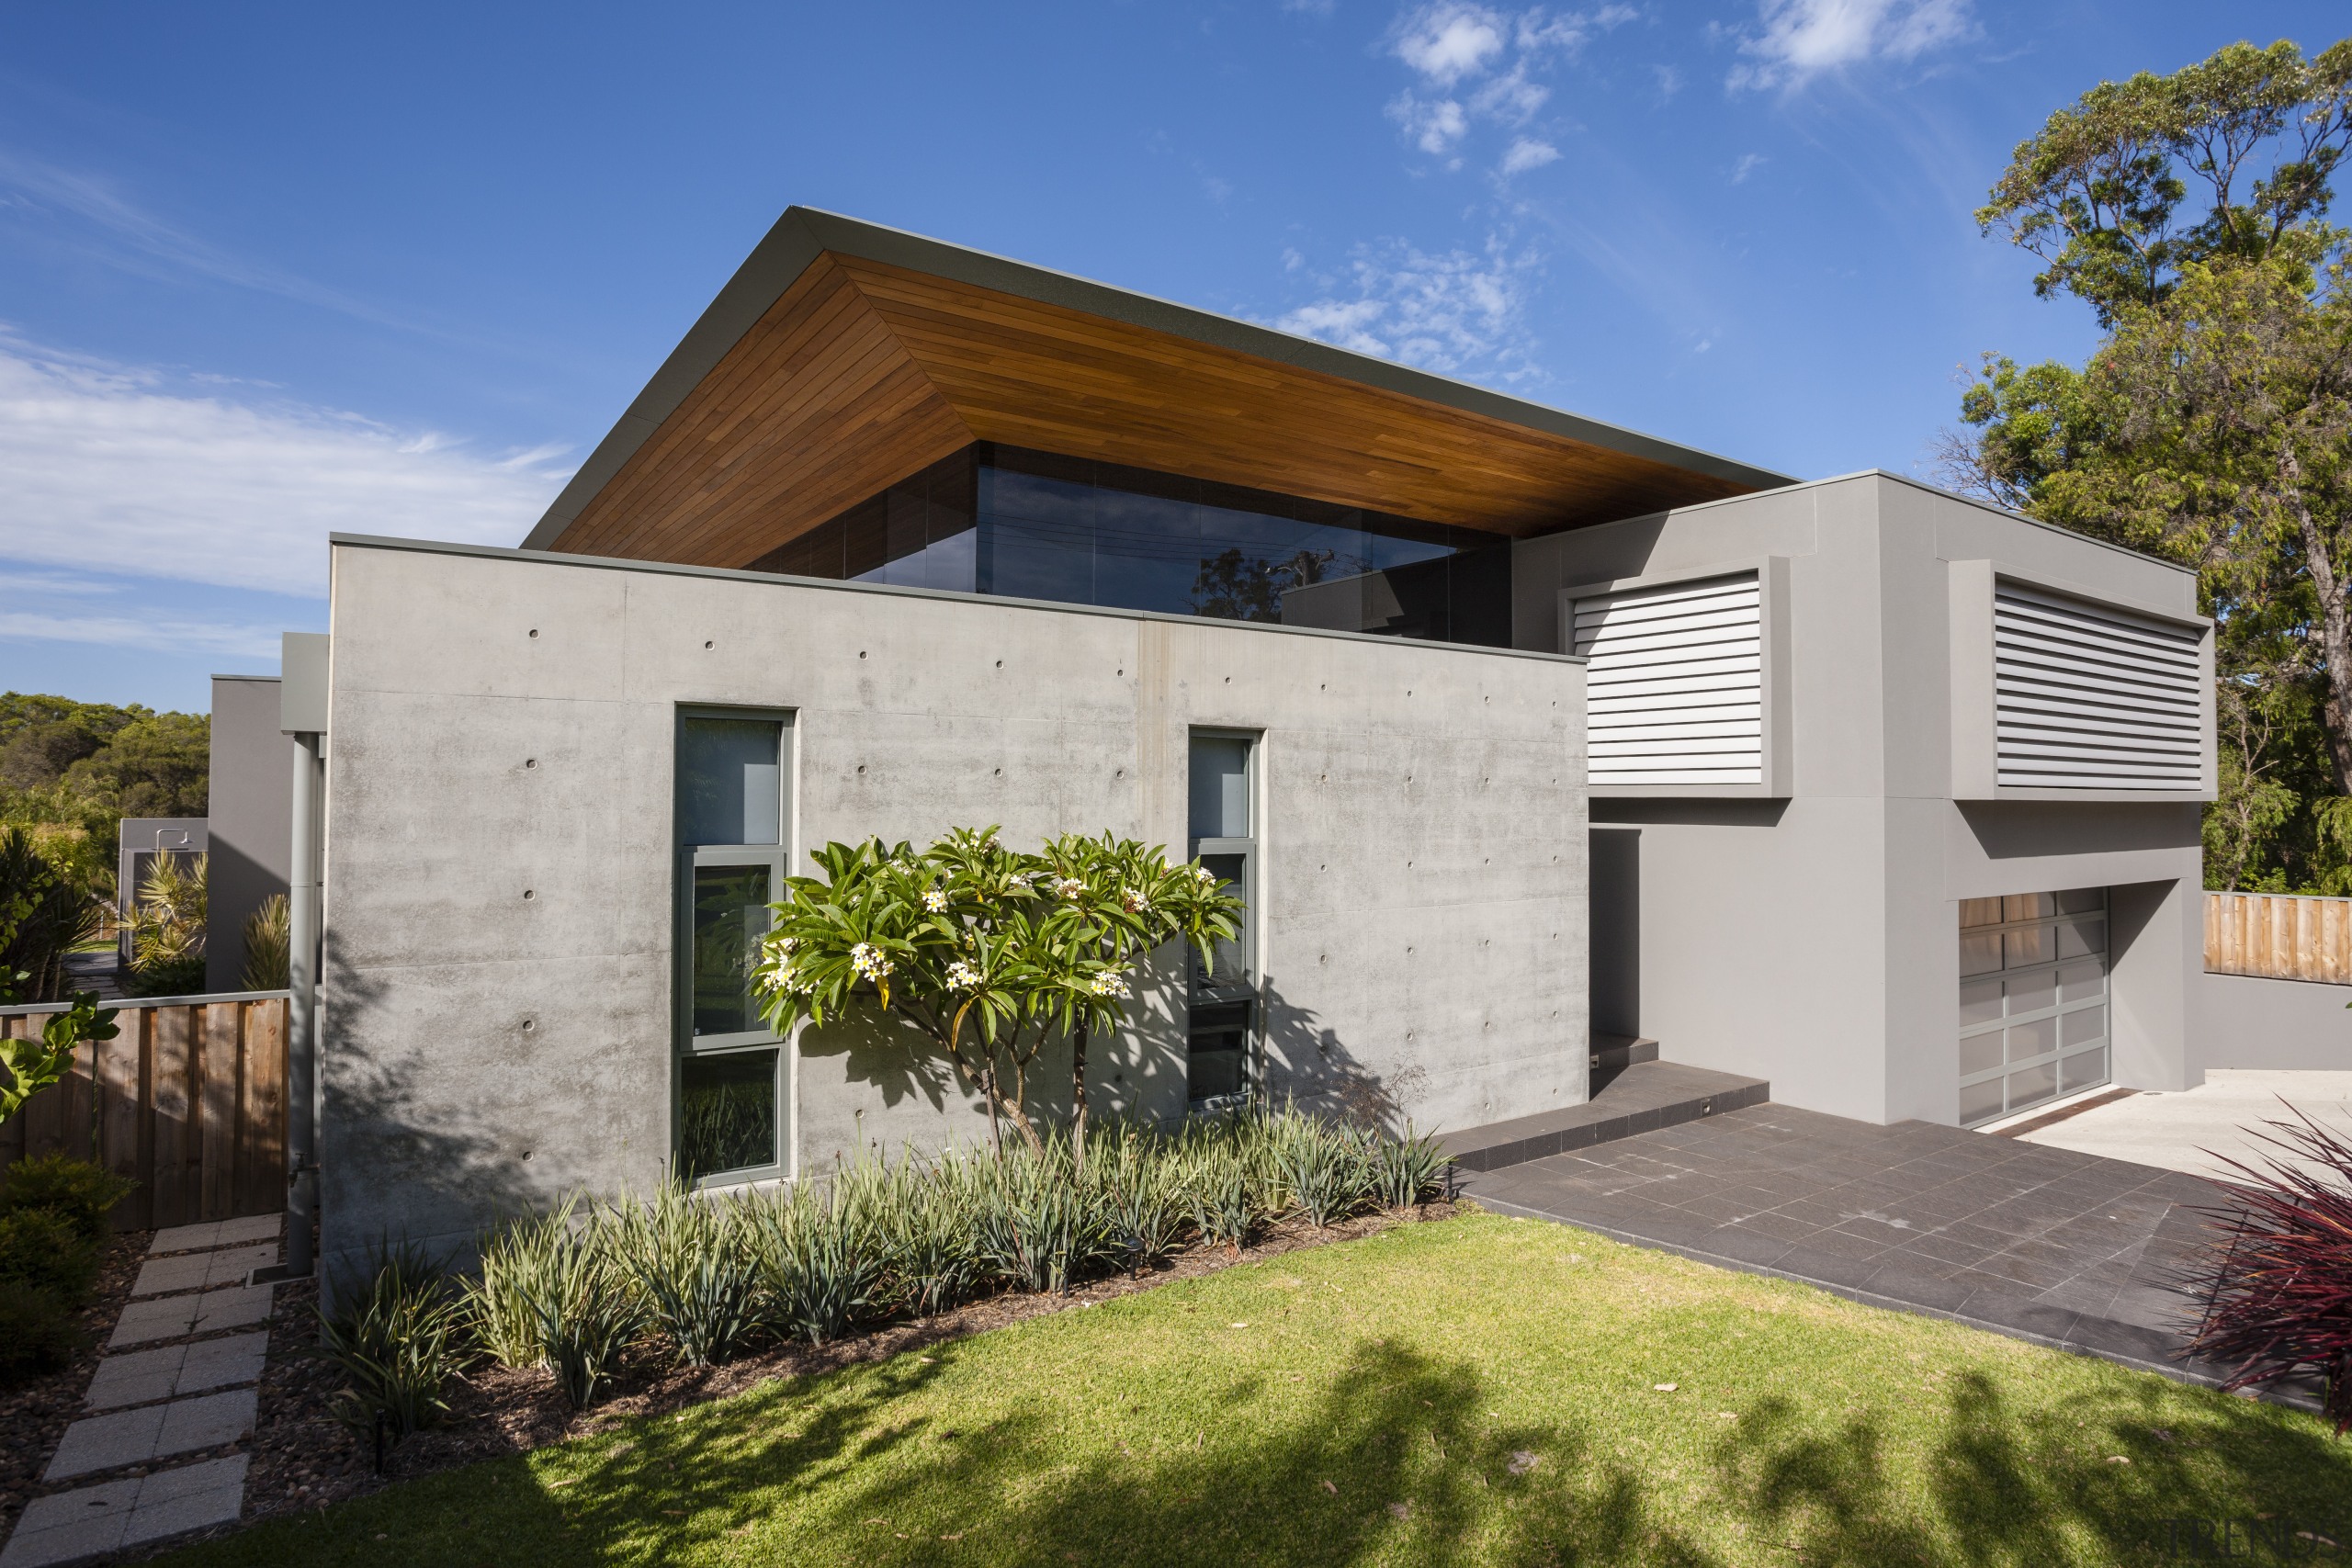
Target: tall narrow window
1224	833
730	868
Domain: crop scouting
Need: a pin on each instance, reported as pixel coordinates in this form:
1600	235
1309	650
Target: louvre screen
1675	683
2093	698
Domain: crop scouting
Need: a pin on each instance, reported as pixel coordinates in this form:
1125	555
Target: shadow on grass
1395	1460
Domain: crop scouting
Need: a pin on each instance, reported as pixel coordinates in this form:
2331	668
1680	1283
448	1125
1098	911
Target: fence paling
188	1101
2280	936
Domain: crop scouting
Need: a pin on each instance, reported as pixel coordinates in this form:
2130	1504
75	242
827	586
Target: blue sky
267	272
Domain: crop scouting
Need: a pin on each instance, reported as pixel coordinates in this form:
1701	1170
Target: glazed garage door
2033	1013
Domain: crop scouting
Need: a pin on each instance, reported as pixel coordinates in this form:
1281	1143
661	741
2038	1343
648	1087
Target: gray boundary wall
2286	1025
1811	938
1424	840
251	808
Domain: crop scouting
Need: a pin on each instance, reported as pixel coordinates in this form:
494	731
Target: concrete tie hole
528	895
535	631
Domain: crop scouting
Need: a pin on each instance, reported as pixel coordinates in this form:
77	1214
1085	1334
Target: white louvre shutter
2093	698
1674	687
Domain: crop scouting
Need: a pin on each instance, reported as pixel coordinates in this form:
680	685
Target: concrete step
1639	1097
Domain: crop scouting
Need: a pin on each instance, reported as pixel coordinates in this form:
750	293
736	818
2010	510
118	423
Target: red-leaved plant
2278	1285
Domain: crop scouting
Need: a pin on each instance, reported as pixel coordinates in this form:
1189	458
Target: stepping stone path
153	1401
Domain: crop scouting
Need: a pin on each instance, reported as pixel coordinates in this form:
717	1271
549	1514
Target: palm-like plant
991	953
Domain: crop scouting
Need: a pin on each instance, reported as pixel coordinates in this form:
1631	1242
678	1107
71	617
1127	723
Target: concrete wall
2282	1025
1813	939
251	808
1423	910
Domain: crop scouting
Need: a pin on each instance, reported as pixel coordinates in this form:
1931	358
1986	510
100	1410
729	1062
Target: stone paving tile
202	1270
136	1377
90	1521
169	1317
217	1232
153	1431
2067	1247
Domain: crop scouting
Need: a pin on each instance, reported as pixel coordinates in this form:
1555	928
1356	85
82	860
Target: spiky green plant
818	1262
553	1294
395	1337
692	1269
269	942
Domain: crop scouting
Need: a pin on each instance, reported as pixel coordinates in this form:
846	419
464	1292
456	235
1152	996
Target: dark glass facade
996	519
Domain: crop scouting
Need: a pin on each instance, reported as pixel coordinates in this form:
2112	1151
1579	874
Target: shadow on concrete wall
1308	1065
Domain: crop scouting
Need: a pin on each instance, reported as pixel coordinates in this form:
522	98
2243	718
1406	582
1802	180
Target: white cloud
1529	153
1456	313
104	464
1748	164
1670	81
1447	42
1510	98
1802	39
147	632
1435	128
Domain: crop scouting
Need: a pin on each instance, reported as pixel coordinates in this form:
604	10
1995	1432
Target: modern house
1890	797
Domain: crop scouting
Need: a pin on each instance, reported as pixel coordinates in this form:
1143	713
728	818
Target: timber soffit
804	234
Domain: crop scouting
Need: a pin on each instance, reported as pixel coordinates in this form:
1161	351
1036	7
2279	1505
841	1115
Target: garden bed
304	1458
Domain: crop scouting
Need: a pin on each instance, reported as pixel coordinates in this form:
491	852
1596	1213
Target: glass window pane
2032	993
730	781
2029	906
2084	1069
1980	1102
1979	1053
1220	787
2077	981
1217	1061
731	915
2083	1023
2036	1039
726	1113
1980	954
2083	901
1230	968
1980	912
2033	946
2078	937
1980	1001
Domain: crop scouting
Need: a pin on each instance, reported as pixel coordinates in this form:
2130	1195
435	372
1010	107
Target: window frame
686	859
1250	981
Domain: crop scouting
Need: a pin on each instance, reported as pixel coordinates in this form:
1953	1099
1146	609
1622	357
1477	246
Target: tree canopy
2213	423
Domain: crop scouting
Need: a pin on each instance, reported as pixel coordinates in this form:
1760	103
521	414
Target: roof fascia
804	233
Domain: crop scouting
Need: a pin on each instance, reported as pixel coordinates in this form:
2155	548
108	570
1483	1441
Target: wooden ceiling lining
814	410
862	373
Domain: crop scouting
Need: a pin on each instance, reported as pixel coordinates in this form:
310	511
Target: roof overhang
842	356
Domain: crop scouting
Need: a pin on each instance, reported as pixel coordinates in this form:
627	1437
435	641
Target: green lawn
1370	1403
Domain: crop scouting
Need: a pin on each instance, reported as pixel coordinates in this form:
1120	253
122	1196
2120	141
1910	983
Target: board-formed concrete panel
500	924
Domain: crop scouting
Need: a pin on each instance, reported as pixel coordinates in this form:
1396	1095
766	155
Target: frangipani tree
989	952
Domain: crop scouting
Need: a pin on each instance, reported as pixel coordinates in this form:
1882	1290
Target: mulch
34	1414
303	1458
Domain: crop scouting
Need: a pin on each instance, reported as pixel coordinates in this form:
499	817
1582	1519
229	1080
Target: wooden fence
188	1101
2280	936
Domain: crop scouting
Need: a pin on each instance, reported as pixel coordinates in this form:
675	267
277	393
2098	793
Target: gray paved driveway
2066	1248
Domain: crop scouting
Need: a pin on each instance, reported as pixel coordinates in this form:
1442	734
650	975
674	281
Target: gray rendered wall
1813	941
2279	1026
252	806
1424	837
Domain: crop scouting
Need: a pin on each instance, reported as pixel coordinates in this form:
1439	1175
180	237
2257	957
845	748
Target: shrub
167	928
44	915
1330	1174
1224	1208
44	1250
80	1191
1036	1223
692	1268
37	1333
395	1337
552	1294
818	1259
1142	1199
2278	1288
1411	1169
269	942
